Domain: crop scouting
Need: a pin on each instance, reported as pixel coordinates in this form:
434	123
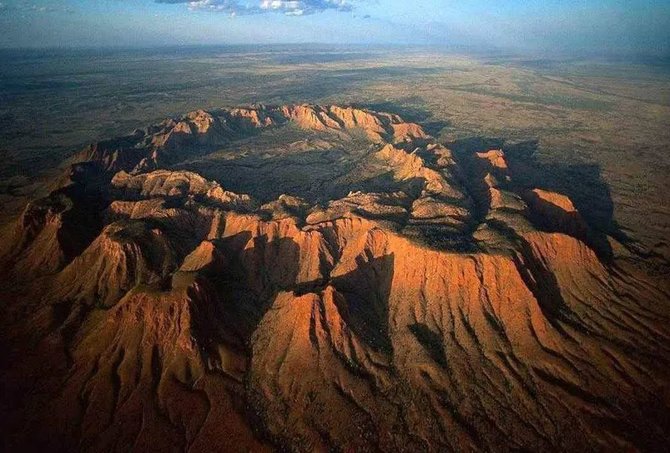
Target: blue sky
608	26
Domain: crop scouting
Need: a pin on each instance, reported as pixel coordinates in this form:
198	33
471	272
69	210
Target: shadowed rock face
395	297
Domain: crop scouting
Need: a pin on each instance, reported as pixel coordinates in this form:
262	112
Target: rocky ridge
448	308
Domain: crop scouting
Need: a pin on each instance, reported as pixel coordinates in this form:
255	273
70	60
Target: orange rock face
496	157
438	307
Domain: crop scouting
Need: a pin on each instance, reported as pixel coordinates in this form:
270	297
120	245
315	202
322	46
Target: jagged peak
178	184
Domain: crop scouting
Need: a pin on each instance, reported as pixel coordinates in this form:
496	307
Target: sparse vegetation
607	115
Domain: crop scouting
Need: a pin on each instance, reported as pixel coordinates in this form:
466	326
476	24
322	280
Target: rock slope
439	307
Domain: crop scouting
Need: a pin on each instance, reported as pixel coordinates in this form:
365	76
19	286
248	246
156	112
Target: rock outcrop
431	304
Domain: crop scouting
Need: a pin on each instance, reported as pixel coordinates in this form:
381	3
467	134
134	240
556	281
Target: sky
588	26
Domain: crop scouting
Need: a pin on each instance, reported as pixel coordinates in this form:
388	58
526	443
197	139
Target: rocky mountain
317	277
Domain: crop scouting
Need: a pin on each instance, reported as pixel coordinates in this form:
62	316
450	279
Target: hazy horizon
592	27
660	60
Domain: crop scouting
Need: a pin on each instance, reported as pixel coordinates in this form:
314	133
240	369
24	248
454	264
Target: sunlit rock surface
367	290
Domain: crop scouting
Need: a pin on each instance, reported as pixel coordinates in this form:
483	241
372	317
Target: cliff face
438	307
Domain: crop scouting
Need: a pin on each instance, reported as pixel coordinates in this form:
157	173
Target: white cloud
288	7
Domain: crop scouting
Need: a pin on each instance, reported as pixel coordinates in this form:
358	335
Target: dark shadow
582	183
364	303
244	288
84	221
471	178
432	342
385	183
112	155
78	205
545	288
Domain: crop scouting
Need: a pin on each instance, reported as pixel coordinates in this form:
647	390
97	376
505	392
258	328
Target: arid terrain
598	127
333	251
